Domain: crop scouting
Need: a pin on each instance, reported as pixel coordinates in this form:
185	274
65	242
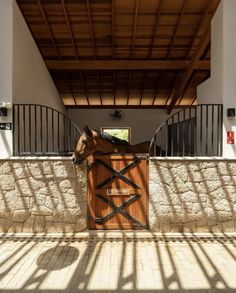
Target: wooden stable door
117	192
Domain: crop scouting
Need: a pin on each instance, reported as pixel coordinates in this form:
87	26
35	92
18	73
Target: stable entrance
117	192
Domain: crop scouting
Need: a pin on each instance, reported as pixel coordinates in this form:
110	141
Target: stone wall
192	195
42	196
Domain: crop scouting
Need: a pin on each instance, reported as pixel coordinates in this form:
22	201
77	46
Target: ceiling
123	53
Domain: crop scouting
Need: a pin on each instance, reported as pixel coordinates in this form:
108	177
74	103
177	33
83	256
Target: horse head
86	145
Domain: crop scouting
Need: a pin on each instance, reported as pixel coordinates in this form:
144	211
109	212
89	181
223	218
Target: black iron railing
42	131
195	131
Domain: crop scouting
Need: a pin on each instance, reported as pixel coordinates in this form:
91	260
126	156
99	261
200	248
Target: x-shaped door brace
119	210
119	174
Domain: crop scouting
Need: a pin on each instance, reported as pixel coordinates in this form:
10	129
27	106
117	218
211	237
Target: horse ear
88	131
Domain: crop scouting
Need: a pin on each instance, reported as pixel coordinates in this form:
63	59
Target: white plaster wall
6	38
5	51
143	122
32	82
229	70
211	90
221	87
24	77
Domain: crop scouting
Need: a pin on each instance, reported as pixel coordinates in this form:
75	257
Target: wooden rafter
175	78
85	87
184	91
122	48
113	24
188	72
129	83
173	86
142	87
99	86
91	29
194	99
157	18
203	20
123	107
73	44
125	64
69	28
157	89
45	19
114	87
176	28
134	27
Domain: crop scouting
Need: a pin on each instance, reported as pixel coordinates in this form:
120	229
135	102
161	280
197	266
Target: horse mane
112	139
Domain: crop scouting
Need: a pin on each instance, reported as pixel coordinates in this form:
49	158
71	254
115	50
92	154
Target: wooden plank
188	73
157	18
91	28
123	106
125	64
176	28
99	208
134	27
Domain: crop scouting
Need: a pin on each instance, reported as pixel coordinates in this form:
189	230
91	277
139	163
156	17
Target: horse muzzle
77	159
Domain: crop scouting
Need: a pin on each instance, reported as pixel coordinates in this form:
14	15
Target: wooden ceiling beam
134	28
142	87
124	107
91	28
202	22
114	87
157	89
174	83
99	86
157	18
194	99
69	28
176	28
113	31
129	83
191	67
191	78
126	64
45	19
74	47
84	86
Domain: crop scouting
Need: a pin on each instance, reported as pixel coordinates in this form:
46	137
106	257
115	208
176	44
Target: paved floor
120	262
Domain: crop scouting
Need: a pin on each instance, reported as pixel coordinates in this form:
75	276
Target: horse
94	141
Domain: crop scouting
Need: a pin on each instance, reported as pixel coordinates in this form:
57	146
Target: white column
221	86
229	72
6	48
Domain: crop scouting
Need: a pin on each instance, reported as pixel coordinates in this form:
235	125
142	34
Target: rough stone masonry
42	196
50	196
192	195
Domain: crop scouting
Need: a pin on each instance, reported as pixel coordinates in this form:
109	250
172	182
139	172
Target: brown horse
94	141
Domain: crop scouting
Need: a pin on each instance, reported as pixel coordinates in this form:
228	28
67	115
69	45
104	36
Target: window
121	132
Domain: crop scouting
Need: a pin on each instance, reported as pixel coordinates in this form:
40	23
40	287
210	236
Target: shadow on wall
193	196
42	196
5	143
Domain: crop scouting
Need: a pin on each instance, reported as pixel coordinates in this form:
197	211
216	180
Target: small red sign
230	137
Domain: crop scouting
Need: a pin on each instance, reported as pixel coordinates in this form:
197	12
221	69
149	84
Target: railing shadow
122	262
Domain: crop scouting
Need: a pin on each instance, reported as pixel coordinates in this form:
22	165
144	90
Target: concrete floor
118	262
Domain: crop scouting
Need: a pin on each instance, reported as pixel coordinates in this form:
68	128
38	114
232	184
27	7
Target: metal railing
42	131
195	131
